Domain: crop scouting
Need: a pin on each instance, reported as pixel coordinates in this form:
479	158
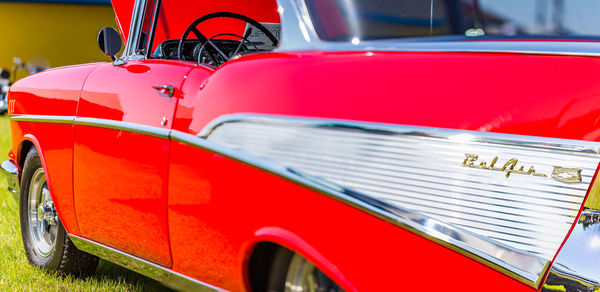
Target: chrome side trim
577	265
522	266
123	126
94	122
43	119
11	173
164	275
298	34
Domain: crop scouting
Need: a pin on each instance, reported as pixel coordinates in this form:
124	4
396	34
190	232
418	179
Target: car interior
209	35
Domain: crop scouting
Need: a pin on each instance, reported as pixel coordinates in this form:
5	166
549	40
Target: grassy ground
17	275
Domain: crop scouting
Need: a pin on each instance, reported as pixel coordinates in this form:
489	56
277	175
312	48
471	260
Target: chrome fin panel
519	192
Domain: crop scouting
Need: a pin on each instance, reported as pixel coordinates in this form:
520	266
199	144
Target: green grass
16	274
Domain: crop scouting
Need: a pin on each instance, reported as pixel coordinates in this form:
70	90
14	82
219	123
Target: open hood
123	10
175	16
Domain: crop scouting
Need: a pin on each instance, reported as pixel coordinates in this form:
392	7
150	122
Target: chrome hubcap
42	215
303	276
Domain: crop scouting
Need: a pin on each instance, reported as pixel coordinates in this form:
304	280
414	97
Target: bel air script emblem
563	174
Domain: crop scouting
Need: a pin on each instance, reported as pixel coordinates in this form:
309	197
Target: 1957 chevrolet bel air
321	145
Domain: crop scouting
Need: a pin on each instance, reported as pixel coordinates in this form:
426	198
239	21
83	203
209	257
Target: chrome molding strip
123	126
94	122
298	34
43	119
167	277
577	265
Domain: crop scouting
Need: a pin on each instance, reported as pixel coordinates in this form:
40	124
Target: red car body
137	187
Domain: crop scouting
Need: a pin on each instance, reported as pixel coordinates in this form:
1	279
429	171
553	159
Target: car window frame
135	32
152	27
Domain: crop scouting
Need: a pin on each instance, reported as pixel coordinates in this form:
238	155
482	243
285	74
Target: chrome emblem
567	175
11	106
562	174
508	167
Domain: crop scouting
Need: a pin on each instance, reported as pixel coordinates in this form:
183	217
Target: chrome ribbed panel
421	169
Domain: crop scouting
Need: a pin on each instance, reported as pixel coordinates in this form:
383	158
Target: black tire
62	256
285	264
278	271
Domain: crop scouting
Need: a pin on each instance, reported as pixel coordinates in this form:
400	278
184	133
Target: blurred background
50	33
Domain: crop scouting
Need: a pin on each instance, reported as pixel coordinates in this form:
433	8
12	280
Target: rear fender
295	243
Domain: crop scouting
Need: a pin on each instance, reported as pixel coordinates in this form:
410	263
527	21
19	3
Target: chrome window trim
452	237
164	275
135	28
299	34
588	49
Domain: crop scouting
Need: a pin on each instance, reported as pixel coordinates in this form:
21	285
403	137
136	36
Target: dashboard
197	51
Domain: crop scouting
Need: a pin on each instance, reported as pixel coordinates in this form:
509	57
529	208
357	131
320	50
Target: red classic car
321	145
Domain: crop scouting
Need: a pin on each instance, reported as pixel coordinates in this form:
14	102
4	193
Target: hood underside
176	16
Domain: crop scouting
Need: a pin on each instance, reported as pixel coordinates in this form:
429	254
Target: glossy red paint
56	92
104	171
123	10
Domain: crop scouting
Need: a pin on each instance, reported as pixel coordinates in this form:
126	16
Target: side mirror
4	74
109	42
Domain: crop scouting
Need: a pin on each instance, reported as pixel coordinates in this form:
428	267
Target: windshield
355	20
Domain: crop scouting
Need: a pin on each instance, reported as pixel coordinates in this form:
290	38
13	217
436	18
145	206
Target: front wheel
44	237
291	273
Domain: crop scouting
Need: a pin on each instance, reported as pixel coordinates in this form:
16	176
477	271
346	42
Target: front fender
41	110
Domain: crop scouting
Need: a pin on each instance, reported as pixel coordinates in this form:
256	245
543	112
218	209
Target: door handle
166	90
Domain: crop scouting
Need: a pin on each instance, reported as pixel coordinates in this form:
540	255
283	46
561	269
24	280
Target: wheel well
25	147
260	265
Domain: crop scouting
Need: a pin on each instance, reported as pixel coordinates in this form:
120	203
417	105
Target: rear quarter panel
211	196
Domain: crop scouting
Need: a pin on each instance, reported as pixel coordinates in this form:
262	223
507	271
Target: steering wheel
197	53
221	55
